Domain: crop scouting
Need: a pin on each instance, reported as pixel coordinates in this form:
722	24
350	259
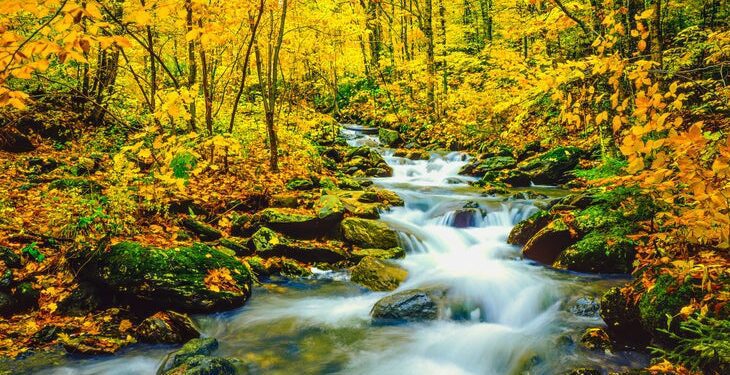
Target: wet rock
239	248
530	149
368	197
622	318
407	306
87	344
396	252
267	243
586	306
205	365
204	231
389	198
465	217
170	278
366	162
166	327
298	225
369	233
547	244
347	183
193	348
490	164
85	298
599	253
377	274
388	137
584	371
412	154
596	339
313	252
526	229
287	267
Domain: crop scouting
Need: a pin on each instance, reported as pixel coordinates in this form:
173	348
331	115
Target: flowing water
506	315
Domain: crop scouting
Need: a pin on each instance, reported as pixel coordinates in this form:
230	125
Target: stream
507	315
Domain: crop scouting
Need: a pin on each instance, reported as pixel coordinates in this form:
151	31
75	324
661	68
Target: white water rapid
506	316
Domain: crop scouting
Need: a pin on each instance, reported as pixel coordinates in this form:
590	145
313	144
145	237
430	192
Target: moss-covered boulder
267	243
89	344
550	168
413	305
184	279
622	319
393	253
364	161
315	251
85	298
666	297
166	327
300	183
547	244
490	164
369	233
204	231
195	358
238	247
378	275
596	339
599	253
388	137
526	229
330	208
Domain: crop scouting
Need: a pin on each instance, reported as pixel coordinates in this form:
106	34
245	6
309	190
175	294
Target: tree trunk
192	67
247	57
655	34
445	77
207	92
430	58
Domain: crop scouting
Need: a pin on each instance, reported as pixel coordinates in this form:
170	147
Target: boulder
377	274
413	305
490	164
171	278
369	233
550	168
665	298
547	244
396	252
12	141
586	306
599	253
388	137
285	200
204	231
596	339
348	183
301	225
85	298
166	327
526	229
267	243
26	296
193	348
8	304
239	248
622	319
330	208
205	365
364	161
88	344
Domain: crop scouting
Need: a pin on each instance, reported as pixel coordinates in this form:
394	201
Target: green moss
601	218
609	167
369	233
665	299
266	241
598	252
378	275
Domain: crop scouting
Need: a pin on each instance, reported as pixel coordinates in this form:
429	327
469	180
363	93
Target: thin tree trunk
655	34
207	93
244	69
192	64
430	58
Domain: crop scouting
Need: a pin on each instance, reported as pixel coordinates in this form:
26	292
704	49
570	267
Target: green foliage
703	344
182	163
609	168
33	251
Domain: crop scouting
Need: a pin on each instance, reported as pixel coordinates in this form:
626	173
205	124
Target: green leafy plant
702	344
33	251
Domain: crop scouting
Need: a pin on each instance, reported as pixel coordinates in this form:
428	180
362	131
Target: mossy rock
88	344
550	168
205	365
267	243
285	200
622	319
300	225
84	185
378	275
239	248
369	233
348	183
174	279
596	339
389	137
393	253
8	304
330	208
314	252
601	218
193	348
600	253
547	244
495	163
204	231
85	298
26	296
526	229
665	298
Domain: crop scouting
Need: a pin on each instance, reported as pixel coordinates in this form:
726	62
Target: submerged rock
407	306
377	274
166	327
369	233
171	278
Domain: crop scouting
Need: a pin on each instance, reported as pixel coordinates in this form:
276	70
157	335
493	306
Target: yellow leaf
125	325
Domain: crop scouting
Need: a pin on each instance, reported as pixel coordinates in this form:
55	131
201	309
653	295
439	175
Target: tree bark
655	34
192	67
247	57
